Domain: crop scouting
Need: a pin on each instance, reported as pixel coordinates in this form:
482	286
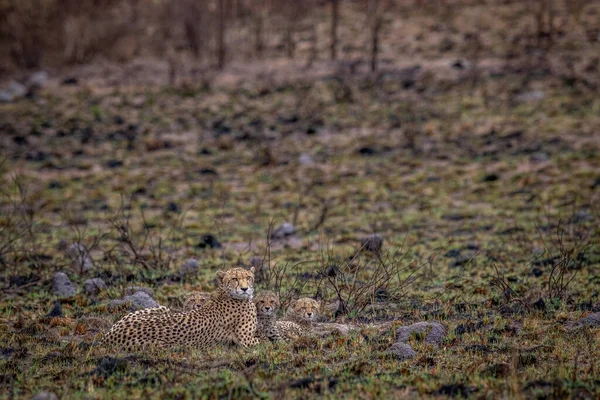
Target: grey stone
539	157
37	80
530	97
62	286
6	97
80	257
45	396
137	301
592	321
129	290
190	266
435	335
372	243
260	268
16	89
402	350
284	230
94	286
306	159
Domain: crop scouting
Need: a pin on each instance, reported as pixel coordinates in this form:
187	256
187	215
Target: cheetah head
305	309
237	282
267	303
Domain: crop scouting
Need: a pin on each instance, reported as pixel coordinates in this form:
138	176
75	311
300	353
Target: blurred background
170	42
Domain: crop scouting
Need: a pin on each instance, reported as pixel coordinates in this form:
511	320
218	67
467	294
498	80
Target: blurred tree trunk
221	50
259	23
374	8
292	14
335	13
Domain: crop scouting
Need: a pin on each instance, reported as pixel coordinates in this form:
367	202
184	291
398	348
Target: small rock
62	286
435	335
56	310
582	216
306	159
173	207
62	245
402	350
453	253
138	300
37	81
592	320
539	157
367	151
80	256
45	396
372	243
491	178
460	64
109	365
208	171
70	81
446	44
114	163
540	304
531	97
537	272
6	97
129	290
16	89
260	269
208	241
332	271
190	266
94	286
284	230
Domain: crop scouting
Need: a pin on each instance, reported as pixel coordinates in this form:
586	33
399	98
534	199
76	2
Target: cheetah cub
229	314
194	300
267	304
299	319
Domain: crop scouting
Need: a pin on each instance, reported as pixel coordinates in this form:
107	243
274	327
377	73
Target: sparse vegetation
472	153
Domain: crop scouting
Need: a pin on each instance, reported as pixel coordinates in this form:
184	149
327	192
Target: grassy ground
483	197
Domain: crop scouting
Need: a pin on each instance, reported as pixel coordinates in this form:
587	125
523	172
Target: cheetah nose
267	308
244	289
309	314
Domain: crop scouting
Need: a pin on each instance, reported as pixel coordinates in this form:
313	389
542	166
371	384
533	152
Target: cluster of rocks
436	333
15	90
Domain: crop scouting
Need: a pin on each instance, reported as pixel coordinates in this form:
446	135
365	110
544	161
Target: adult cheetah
299	319
267	304
228	315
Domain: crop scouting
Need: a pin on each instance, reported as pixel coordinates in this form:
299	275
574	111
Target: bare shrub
144	244
566	244
357	283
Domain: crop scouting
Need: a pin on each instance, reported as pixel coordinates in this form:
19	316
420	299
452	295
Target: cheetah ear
252	270
220	275
319	304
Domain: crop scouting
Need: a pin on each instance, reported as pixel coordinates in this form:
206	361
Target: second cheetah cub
267	304
299	319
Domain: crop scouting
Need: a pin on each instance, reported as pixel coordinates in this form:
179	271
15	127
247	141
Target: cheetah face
267	303
238	283
305	309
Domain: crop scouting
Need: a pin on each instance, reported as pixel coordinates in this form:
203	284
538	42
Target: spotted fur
299	319
194	300
267	304
228	315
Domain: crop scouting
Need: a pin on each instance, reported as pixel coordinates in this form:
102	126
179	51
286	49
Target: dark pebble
208	241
